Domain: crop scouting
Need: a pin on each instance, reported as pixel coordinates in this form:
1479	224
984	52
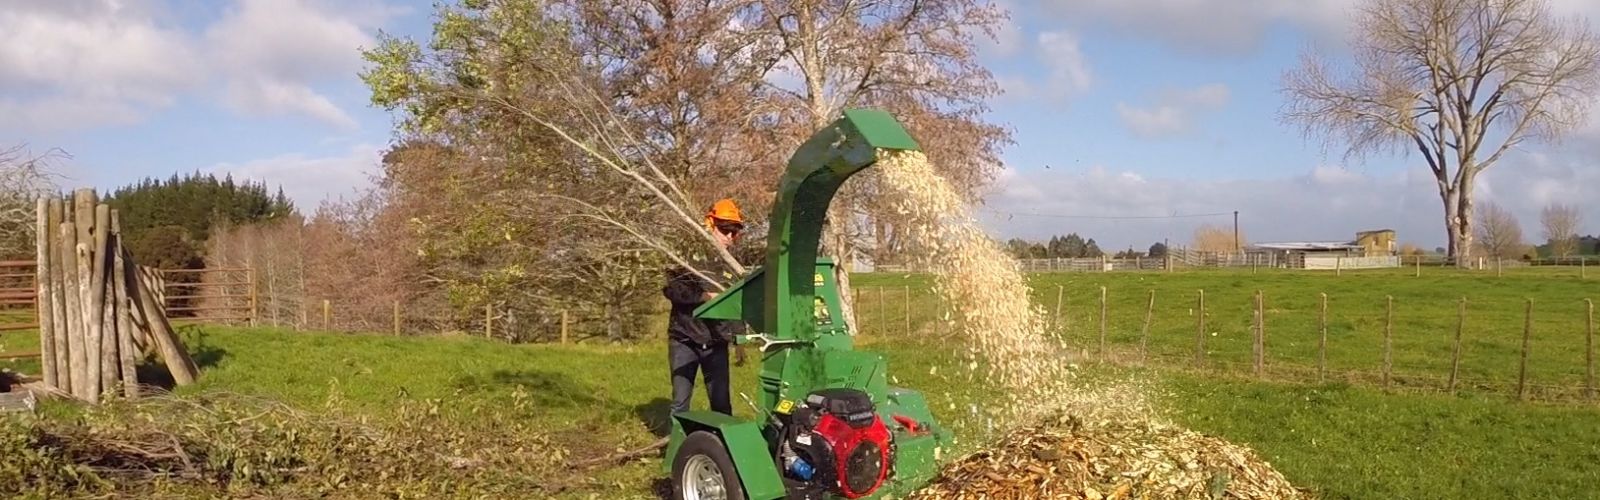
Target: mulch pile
1112	460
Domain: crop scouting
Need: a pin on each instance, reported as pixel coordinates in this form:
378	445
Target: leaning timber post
73	314
42	298
1527	332
1455	352
1102	324
1144	333
1322	344
1588	350
164	338
119	286
57	297
1200	331
105	334
1388	336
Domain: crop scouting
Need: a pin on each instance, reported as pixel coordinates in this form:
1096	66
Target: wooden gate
18	295
225	295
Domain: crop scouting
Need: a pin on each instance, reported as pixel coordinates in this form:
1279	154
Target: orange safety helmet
724	210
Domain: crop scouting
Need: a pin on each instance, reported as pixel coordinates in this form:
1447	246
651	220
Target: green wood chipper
827	423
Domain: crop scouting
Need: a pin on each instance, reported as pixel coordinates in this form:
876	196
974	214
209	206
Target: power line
1109	217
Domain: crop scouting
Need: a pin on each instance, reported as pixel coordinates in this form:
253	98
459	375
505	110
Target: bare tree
1499	234
1560	221
915	58
1213	238
23	179
1460	81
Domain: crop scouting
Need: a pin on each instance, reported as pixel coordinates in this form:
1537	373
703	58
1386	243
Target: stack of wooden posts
98	315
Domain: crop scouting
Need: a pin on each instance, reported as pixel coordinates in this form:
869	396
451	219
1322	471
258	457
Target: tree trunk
1464	215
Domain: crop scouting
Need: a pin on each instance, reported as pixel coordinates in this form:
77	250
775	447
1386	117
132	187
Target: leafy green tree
167	222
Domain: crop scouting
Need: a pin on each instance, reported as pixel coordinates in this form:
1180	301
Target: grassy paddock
1424	321
1341	441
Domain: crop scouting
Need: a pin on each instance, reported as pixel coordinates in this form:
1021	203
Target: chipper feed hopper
827	423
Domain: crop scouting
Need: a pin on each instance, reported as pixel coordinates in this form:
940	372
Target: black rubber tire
708	444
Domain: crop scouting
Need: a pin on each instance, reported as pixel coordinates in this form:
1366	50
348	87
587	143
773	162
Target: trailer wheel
704	471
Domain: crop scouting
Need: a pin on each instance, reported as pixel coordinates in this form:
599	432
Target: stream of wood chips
1053	435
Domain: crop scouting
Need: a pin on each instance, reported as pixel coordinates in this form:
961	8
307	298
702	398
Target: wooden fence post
1588	350
883	309
1102	324
1055	322
1322	344
488	320
327	315
1200	331
1419	266
1388	332
564	321
908	310
397	318
1338	265
1455	353
1261	333
1144	334
250	276
1499	267
1583	267
1527	331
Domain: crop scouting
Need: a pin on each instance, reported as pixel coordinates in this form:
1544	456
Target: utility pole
1236	247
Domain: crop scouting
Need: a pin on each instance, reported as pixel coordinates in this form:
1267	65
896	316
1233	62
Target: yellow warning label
818	279
785	406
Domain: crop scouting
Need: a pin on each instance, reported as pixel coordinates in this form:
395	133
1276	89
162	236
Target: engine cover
843	436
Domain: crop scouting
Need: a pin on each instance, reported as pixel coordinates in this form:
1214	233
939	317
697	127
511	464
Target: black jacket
687	291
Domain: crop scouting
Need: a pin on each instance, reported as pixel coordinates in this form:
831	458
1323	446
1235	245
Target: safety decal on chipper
784	407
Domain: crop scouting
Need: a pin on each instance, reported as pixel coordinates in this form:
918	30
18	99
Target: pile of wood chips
1112	460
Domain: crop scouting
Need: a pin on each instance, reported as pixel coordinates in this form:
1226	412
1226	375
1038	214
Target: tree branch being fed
629	172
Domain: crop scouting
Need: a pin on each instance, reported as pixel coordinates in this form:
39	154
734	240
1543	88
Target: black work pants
689	358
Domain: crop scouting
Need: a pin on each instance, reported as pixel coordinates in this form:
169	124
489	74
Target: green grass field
1423	329
1341	440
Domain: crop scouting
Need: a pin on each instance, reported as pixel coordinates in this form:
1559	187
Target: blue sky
1137	107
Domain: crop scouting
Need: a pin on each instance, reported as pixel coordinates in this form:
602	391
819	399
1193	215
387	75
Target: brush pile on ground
225	445
1109	460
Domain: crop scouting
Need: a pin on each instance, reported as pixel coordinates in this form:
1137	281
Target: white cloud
77	64
1062	55
89	62
307	180
1232	26
272	52
1174	110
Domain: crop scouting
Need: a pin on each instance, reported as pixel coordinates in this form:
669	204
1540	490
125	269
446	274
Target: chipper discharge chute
828	425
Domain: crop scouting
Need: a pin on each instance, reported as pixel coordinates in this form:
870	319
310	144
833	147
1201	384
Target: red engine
836	441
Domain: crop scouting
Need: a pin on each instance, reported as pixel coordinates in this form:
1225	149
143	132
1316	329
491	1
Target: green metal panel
881	130
746	445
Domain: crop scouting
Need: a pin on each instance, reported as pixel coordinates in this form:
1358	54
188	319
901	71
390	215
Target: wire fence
1538	351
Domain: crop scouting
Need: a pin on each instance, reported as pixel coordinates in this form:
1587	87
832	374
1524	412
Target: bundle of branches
1069	457
229	445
